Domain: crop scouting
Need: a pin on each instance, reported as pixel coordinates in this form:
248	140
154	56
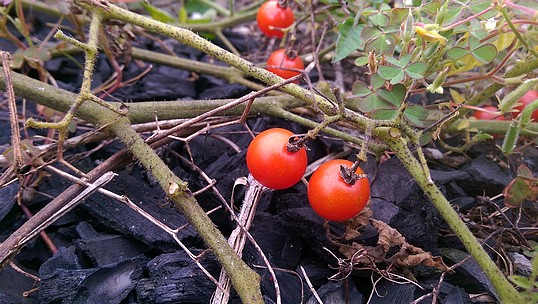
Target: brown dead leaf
388	236
355	224
410	255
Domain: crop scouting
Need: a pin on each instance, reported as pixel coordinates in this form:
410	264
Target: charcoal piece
417	220
13	284
161	83
469	275
175	278
118	248
110	284
120	217
231	90
522	265
65	258
455	295
7	199
338	292
389	174
382	209
389	292
441	177
8	298
447	293
306	224
289	285
485	176
282	248
318	269
62	286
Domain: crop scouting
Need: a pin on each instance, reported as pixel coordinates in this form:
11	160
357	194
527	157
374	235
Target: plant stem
506	292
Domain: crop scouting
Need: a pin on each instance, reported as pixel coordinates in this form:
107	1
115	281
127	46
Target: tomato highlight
526	99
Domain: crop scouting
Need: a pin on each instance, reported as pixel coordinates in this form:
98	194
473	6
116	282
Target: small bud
407	30
441	14
436	86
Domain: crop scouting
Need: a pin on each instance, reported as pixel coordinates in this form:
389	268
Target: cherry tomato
481	115
282	65
334	199
270	162
529	97
272	18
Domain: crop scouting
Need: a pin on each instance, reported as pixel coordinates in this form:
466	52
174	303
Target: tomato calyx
296	143
283	4
348	174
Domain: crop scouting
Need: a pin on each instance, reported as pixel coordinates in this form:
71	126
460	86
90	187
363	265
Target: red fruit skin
526	99
270	163
334	199
488	116
280	64
270	14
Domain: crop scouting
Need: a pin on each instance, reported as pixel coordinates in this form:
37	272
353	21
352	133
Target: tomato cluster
272	19
271	163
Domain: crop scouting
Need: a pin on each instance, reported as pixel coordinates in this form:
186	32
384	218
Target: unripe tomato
272	18
481	115
270	162
334	199
282	65
529	97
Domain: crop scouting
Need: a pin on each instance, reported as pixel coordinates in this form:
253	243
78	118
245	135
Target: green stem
506	292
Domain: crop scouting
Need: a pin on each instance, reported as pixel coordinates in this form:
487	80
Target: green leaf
388	72
417	115
485	53
360	89
349	39
395	96
361	61
416	70
384	114
377	40
456	53
373	102
379	19
158	14
377	81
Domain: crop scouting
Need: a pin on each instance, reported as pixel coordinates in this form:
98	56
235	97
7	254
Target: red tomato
282	65
270	162
481	115
334	199
529	97
272	18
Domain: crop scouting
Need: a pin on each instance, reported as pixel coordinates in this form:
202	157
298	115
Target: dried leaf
523	187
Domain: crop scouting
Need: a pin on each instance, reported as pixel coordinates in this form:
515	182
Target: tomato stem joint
296	143
349	175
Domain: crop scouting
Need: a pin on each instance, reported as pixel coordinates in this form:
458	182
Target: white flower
408	2
490	24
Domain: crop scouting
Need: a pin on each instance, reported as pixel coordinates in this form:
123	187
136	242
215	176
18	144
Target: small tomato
270	162
526	99
487	114
286	67
334	199
272	18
